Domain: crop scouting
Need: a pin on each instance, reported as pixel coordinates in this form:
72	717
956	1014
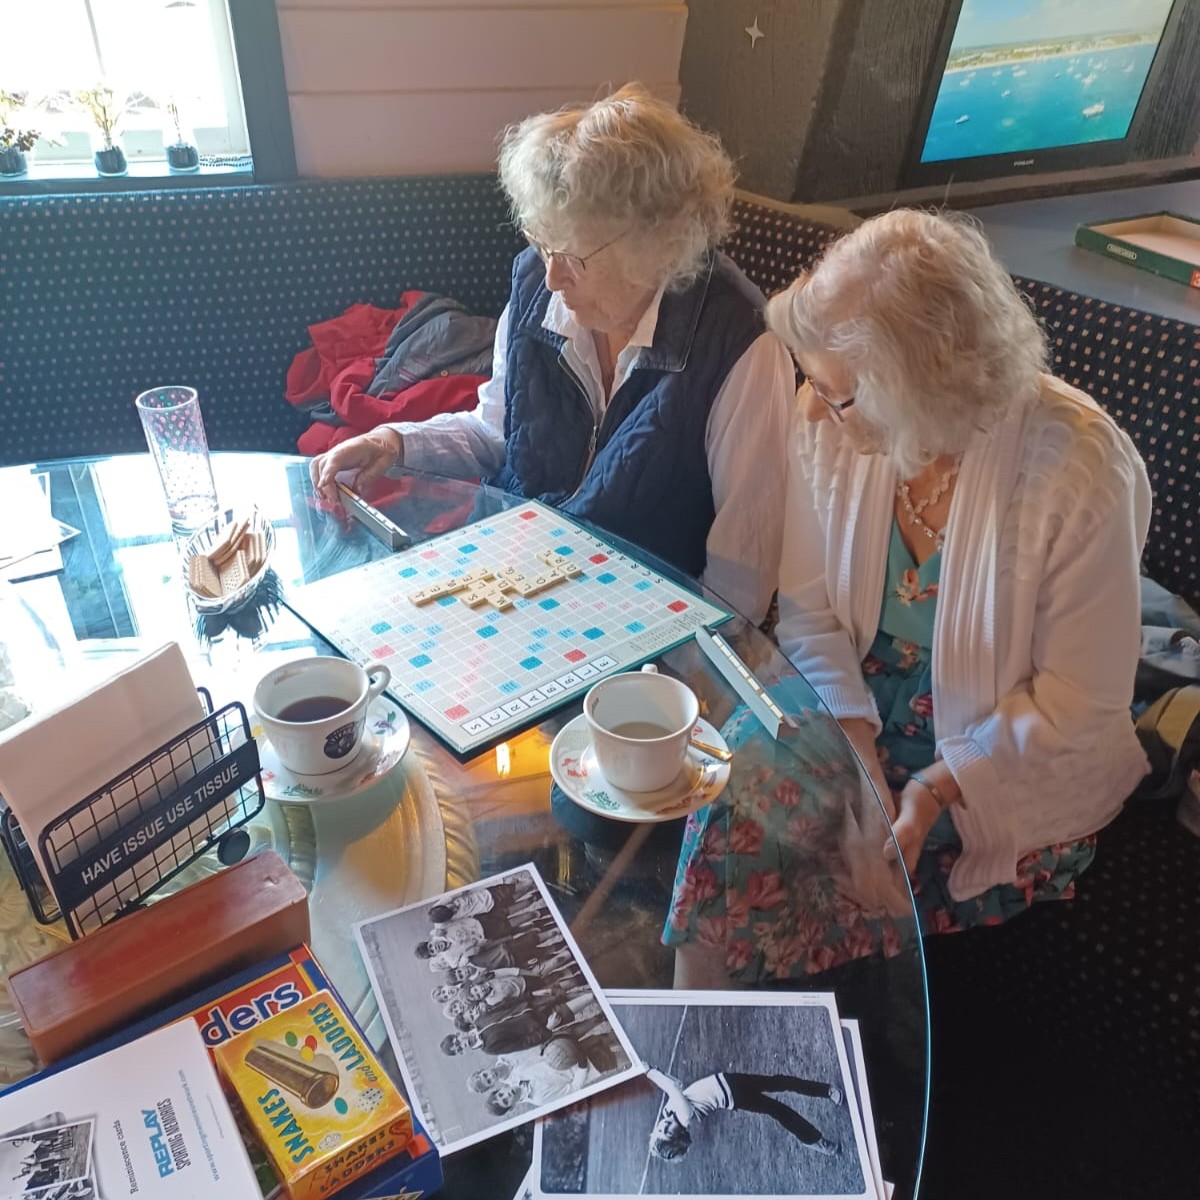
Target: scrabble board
493	627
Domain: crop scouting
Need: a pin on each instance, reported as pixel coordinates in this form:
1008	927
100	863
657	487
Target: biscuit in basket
203	577
255	545
234	573
229	544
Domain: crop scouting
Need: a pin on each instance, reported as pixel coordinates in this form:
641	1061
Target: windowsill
57	179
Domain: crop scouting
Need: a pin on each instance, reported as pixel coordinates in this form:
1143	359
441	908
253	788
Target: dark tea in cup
313	708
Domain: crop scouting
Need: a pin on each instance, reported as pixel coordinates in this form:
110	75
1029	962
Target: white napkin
29	542
54	759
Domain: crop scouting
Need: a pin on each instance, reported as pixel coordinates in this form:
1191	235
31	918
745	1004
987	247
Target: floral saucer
385	739
575	770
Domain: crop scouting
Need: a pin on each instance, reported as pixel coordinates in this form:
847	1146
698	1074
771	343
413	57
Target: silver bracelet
931	788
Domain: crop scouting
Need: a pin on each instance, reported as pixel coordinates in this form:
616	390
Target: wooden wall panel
451	49
414	133
403	87
436	6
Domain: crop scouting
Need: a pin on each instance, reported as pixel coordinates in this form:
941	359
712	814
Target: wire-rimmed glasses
837	407
576	264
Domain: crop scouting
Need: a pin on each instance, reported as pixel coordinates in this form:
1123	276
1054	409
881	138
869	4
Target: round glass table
441	820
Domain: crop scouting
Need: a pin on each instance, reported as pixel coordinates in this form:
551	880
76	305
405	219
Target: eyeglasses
837	407
576	264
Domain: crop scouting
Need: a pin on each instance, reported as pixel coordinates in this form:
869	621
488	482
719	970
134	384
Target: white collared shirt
746	444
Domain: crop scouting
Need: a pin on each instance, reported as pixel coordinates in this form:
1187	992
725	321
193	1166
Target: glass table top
440	820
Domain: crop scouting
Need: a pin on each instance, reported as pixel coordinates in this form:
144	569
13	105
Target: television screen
1023	76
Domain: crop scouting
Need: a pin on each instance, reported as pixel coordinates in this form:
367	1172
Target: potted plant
101	105
15	141
182	154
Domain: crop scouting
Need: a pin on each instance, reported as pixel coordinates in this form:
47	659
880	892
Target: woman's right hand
368	456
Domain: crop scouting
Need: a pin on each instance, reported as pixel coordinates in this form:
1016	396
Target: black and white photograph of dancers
747	1094
494	1016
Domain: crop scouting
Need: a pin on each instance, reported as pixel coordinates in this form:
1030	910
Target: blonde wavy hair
937	339
628	165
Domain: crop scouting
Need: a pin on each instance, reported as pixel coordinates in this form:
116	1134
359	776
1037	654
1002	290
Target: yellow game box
323	1108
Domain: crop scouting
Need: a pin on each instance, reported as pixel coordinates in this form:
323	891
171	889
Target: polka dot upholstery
1145	370
106	295
773	247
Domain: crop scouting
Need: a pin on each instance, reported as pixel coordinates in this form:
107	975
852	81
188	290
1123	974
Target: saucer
385	739
575	770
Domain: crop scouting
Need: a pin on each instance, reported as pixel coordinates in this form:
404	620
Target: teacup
641	723
314	710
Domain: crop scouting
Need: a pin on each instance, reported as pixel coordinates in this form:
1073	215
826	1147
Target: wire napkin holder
116	847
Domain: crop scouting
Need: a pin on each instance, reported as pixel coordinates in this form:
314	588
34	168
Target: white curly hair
936	338
630	166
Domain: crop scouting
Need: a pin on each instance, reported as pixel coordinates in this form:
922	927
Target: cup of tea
314	711
641	723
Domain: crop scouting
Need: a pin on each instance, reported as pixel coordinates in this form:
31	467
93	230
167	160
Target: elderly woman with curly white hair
960	567
633	383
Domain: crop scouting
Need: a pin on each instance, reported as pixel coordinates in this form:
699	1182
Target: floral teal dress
898	670
761	871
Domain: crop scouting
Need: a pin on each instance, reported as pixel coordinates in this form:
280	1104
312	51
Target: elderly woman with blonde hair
960	570
633	384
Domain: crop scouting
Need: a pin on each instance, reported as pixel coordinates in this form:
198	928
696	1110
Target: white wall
405	87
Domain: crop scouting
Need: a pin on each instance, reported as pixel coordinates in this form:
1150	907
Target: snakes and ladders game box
316	1097
240	1003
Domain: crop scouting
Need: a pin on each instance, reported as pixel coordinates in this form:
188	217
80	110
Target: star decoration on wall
754	33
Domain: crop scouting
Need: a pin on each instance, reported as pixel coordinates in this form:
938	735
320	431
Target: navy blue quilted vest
648	476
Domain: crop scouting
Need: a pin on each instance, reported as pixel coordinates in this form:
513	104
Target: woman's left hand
918	811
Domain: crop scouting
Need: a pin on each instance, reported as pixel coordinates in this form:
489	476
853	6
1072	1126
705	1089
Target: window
169	63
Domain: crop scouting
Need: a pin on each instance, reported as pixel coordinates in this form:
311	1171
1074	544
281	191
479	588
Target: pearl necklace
914	510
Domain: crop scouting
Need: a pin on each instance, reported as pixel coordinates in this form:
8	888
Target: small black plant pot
183	156
13	162
111	161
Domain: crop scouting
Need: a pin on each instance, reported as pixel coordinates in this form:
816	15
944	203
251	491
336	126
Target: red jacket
340	366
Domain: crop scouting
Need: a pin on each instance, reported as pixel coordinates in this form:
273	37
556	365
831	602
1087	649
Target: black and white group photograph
494	1015
47	1163
745	1095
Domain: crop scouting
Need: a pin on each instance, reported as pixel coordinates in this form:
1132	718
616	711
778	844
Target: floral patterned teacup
313	710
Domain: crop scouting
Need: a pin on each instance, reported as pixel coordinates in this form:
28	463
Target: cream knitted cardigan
1036	634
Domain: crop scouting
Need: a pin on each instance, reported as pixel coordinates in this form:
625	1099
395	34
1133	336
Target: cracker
256	552
230	543
234	573
202	577
223	544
